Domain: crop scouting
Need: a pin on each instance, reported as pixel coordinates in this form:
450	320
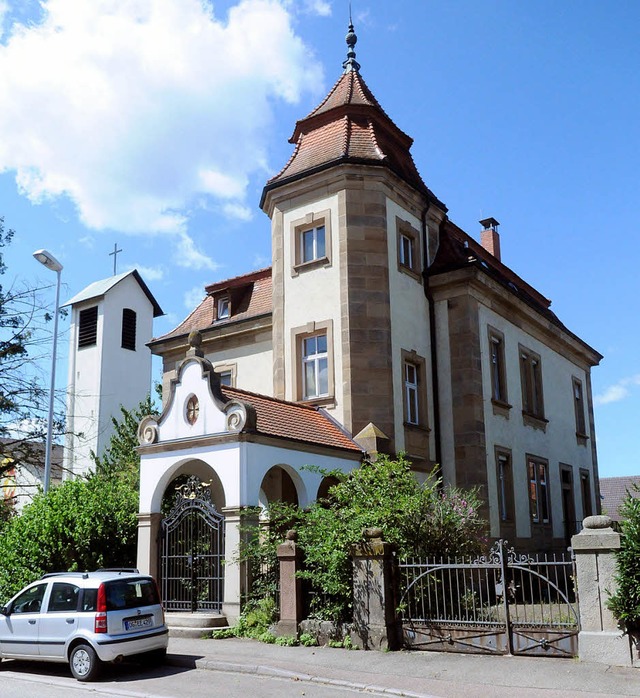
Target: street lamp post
49	261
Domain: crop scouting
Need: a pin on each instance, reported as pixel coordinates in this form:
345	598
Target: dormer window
224	308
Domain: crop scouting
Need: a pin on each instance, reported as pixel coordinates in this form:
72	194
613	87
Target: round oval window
193	409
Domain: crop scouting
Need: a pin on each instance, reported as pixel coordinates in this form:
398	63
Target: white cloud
319	7
150	273
238	211
193	297
189	256
135	109
617	392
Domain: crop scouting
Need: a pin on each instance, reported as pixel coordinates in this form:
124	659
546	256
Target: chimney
489	237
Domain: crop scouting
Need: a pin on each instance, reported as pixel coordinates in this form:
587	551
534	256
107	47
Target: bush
419	518
80	525
625	603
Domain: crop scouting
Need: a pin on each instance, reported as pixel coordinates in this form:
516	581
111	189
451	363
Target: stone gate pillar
290	559
374	593
600	639
148	532
237	526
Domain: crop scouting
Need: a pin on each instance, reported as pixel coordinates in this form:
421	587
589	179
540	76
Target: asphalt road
31	680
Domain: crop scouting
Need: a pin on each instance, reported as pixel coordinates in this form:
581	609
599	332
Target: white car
85	619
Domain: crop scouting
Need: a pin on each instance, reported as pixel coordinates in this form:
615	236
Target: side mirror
4	610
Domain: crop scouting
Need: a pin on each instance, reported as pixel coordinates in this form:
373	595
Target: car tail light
100	625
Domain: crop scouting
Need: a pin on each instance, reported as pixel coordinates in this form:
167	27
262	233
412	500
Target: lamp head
48	260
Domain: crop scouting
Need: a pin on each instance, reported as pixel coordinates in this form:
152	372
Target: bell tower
353	228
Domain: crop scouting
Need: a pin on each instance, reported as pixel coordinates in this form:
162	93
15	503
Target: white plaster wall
83	393
174	424
409	323
241	467
557	444
313	296
104	376
254	365
126	374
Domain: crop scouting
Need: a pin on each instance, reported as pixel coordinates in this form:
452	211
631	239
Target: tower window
129	329
312	244
88	327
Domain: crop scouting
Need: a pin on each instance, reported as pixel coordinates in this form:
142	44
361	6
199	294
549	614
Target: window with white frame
538	480
315	366
223	308
406	251
312	244
411	393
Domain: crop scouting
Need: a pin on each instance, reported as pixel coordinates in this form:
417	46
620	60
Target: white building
387	319
109	362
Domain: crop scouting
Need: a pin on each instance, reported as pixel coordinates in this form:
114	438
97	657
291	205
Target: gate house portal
234	440
191	551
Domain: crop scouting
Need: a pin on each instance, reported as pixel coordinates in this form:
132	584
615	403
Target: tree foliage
625	602
25	351
420	519
82	524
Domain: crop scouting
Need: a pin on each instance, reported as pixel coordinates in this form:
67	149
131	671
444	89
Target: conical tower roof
349	126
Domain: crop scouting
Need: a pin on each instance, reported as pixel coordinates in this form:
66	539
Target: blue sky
154	124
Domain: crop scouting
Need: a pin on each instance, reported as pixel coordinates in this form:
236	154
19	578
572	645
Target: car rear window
131	593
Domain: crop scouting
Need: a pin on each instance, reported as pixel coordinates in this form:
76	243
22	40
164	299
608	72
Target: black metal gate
502	603
192	551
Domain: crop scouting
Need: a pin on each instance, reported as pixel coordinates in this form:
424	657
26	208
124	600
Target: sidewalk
424	674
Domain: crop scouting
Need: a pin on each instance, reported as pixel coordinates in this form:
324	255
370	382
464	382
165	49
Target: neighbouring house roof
349	126
250	297
613	492
99	288
293	421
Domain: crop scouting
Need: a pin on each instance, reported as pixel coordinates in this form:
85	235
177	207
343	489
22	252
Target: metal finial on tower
351	39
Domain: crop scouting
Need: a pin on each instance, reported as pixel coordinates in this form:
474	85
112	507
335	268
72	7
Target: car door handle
71	621
32	622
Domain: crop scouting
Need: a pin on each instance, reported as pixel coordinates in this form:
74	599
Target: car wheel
84	663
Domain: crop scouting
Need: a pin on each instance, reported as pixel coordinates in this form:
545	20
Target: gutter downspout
437	433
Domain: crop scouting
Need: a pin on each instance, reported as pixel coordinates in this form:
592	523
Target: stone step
193	624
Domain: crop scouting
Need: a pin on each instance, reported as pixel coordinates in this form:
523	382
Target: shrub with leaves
625	603
419	518
82	524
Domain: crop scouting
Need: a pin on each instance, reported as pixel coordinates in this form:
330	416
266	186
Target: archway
191	545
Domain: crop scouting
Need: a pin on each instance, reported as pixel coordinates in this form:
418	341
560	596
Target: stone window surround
501	405
227	368
531	384
578	403
506	501
299	226
298	334
412	357
537	460
405	229
585	492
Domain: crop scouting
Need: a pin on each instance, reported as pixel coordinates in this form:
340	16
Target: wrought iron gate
192	551
502	603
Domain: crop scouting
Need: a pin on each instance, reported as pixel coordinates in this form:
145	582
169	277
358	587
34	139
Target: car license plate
138	623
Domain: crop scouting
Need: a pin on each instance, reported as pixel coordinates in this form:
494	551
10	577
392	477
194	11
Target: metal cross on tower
115	256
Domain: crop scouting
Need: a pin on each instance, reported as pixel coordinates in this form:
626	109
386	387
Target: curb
273	672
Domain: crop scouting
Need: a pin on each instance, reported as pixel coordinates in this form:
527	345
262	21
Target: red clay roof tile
293	421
